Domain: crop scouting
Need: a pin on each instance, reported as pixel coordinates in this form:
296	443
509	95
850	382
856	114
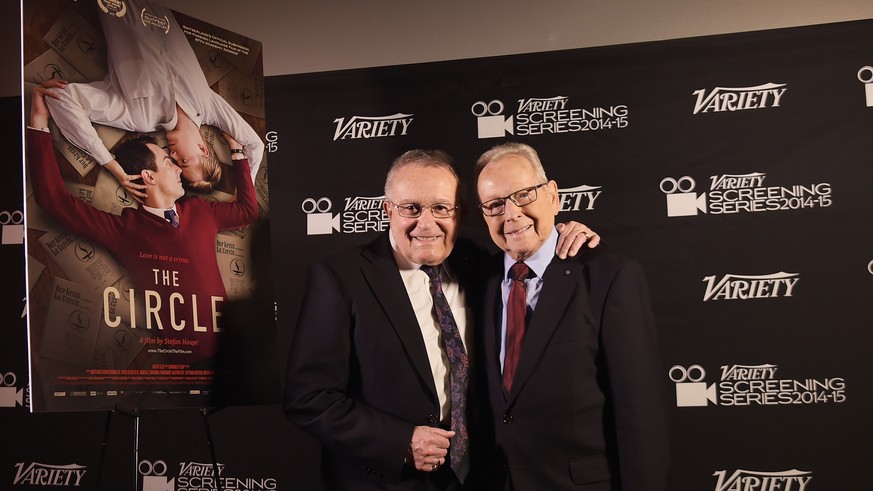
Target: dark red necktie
516	312
459	367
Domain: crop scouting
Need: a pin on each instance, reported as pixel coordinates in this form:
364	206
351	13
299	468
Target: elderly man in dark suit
570	350
379	371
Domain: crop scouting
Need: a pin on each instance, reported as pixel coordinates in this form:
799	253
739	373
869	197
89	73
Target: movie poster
146	210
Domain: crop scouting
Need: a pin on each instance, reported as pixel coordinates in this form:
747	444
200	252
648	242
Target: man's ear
147	176
553	195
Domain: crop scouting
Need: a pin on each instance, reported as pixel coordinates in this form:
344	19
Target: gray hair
520	149
422	159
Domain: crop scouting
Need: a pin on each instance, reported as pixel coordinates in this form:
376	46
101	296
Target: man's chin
429	256
518	249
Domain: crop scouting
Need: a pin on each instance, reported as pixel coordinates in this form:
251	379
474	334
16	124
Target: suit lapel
559	283
381	274
491	323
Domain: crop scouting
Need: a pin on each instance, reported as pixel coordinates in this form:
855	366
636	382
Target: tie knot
433	272
519	271
172	217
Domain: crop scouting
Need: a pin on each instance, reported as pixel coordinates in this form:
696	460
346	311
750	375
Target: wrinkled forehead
507	174
425	184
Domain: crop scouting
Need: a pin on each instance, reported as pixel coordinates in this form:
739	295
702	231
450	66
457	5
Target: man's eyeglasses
414	210
496	207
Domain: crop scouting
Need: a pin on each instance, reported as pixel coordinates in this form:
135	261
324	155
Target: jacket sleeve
79	104
243	211
320	368
636	385
52	196
221	114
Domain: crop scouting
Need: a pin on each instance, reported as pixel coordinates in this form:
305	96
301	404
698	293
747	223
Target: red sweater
172	268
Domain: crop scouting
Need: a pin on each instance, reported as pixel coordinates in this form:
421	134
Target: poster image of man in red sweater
167	245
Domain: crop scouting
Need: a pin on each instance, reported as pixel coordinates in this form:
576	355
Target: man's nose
426	217
511	210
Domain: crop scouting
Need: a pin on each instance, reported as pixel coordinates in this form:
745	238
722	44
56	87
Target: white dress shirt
150	71
538	262
417	285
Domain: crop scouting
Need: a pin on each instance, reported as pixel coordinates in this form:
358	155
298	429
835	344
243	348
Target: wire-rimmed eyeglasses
497	206
414	210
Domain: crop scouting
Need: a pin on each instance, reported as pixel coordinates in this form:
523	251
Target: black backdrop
787	376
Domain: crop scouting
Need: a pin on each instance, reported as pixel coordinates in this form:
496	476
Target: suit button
507	418
432	419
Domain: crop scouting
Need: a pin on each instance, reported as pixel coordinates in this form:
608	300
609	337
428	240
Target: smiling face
423	240
520	230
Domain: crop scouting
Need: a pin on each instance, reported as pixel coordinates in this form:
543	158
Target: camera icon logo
865	76
10	395
319	220
691	391
13	226
490	120
154	476
681	201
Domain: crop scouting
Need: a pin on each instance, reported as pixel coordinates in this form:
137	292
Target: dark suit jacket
358	378
588	403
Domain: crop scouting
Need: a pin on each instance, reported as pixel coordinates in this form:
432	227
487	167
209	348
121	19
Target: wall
319	36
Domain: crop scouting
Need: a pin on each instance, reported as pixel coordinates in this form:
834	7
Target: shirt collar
539	260
159	212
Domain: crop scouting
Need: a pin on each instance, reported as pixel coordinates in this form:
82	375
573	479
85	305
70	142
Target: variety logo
198	476
752	385
551	115
732	99
36	474
361	214
578	198
10	394
741	193
743	480
865	76
12	223
358	127
745	287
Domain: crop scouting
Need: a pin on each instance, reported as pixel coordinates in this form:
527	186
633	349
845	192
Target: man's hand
572	236
39	113
126	180
429	447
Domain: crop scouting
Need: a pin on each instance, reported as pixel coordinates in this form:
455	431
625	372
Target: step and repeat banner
735	168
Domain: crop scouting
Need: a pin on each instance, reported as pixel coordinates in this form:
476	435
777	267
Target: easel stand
204	413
